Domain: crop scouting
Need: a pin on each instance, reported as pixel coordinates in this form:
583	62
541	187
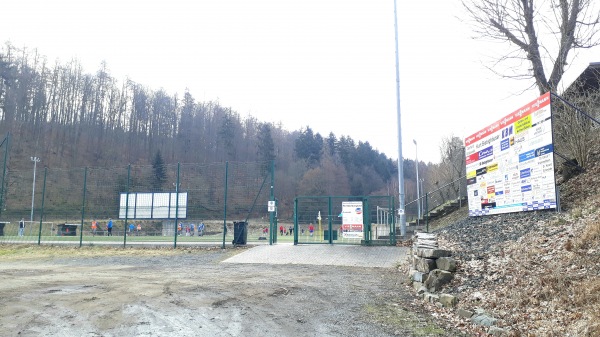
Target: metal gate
352	220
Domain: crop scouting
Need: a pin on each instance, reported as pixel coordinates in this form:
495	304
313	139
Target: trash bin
240	232
2	224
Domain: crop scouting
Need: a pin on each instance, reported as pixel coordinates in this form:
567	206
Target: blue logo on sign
544	150
507	131
526	156
525	173
488	151
504	144
526	188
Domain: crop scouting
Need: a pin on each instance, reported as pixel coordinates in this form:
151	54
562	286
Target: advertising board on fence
352	219
153	205
510	163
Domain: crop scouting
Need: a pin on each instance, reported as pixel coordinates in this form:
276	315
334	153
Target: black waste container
240	232
2	224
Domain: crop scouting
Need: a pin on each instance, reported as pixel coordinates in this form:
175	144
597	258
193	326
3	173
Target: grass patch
589	237
398	319
24	251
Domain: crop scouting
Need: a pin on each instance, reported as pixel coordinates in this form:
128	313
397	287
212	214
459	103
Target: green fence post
329	224
42	210
225	204
393	224
275	223
427	210
176	207
295	221
126	205
83	207
366	221
6	141
272	198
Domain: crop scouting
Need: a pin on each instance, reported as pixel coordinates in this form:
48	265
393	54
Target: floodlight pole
400	159
35	160
418	194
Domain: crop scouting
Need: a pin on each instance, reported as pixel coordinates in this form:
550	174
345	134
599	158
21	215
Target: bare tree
540	34
453	165
575	134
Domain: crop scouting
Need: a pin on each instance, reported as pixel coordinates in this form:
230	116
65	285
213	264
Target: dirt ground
100	291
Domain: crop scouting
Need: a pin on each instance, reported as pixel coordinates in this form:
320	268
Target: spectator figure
311	229
187	230
109	227
179	227
291	230
201	229
139	229
192	227
131	228
94	227
22	227
281	230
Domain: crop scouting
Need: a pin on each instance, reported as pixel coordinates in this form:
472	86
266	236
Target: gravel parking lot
282	290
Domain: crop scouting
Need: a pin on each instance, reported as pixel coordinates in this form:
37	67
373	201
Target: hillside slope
537	272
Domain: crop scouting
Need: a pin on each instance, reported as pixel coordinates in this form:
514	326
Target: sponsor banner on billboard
510	166
352	219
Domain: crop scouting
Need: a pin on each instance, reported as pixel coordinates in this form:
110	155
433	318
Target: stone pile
430	269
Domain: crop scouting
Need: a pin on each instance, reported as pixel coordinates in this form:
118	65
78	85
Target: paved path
332	255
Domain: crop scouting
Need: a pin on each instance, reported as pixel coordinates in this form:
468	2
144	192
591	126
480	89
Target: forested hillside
71	118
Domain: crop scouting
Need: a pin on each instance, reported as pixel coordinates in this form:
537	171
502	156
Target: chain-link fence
320	219
168	204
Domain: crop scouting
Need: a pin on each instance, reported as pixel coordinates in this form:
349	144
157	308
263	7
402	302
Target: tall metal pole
418	194
35	160
400	159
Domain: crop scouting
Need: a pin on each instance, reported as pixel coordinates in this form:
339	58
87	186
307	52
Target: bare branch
545	32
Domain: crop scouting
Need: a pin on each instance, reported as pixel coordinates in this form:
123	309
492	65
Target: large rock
425	265
497	332
419	277
433	253
431	298
448	300
464	313
437	278
482	318
446	263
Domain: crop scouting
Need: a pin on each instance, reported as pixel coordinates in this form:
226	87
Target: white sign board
153	205
510	164
352	219
271	205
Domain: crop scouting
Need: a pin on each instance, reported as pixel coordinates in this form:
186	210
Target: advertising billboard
510	163
153	205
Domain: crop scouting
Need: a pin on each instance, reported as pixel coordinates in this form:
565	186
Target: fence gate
353	220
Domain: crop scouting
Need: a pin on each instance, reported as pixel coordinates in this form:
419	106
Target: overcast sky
328	64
